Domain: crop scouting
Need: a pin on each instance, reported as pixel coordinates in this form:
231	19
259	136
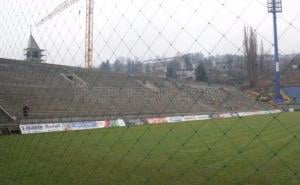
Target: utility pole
274	7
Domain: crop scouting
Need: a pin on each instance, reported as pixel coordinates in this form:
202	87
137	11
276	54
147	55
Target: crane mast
89	34
88	28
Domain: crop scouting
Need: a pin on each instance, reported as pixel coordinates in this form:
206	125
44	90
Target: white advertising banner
256	113
81	125
157	120
177	119
58	127
275	111
41	128
234	115
190	118
203	117
135	122
225	115
100	124
117	123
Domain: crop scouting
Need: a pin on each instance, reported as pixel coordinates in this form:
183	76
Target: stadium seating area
54	91
294	93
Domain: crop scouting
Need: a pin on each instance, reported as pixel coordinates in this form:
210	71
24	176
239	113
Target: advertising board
41	128
175	119
117	123
203	117
134	122
73	126
225	115
190	118
86	125
80	125
157	120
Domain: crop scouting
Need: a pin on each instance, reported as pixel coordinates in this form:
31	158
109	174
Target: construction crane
88	28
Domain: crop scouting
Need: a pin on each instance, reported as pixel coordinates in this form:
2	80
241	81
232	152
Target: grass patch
254	150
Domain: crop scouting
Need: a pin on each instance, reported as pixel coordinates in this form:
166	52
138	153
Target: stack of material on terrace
54	91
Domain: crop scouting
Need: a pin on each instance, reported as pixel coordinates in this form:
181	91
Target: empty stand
59	92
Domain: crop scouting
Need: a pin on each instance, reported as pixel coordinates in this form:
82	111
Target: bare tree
261	59
250	53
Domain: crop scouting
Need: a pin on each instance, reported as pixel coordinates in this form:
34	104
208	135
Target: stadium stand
294	93
58	93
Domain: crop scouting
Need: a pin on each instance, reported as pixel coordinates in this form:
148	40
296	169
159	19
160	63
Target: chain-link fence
149	92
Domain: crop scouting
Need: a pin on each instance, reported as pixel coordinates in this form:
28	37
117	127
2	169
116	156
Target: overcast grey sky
123	28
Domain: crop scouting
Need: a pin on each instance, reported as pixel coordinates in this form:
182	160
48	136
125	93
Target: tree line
250	66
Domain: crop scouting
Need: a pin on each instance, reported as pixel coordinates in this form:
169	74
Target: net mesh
179	92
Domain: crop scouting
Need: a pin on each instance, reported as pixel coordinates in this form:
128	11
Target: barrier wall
135	122
59	127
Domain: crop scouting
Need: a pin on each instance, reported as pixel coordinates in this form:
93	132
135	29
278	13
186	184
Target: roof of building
32	43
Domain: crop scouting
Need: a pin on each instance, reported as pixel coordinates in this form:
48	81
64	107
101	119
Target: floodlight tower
274	7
